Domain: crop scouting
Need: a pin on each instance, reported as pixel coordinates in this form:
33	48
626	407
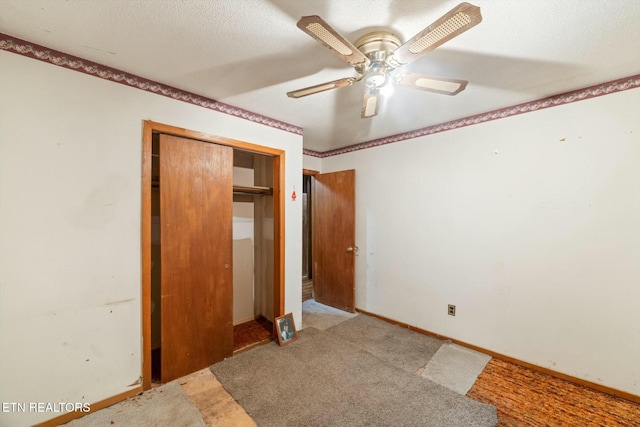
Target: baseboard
65	418
595	386
246	320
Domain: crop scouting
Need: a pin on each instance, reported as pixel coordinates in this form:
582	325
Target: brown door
334	239
196	196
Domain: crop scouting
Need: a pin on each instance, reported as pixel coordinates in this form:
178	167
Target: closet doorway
212	246
253	312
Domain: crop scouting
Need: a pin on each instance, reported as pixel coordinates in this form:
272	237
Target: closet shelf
262	191
237	189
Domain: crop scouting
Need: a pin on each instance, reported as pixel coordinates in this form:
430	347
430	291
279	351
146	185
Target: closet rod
251	191
256	191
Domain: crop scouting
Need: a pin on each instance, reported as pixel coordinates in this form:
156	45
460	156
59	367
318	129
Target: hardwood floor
524	397
217	406
252	332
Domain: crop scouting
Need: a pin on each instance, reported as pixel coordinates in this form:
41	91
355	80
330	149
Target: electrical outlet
451	310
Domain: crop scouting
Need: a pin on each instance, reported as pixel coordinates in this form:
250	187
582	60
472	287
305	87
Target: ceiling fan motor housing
377	46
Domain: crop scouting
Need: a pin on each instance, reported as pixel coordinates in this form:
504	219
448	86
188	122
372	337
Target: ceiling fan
379	56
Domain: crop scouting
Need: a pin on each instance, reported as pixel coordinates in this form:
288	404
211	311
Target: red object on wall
293	195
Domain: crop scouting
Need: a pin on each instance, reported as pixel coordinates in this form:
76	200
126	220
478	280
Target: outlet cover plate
451	310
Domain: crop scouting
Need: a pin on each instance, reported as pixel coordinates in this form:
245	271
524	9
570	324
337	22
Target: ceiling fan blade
348	81
371	103
330	38
452	24
431	84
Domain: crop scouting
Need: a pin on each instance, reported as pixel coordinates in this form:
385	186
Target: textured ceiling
249	53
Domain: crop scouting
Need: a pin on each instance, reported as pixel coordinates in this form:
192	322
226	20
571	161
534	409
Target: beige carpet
353	374
455	367
321	316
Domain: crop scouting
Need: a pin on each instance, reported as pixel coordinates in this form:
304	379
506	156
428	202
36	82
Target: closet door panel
196	200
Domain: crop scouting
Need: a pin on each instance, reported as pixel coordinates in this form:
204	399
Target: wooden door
334	239
196	199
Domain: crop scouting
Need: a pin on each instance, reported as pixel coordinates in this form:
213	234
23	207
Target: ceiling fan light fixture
387	89
376	77
375	80
448	27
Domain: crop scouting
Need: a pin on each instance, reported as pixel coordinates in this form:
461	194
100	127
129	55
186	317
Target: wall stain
100	205
122	301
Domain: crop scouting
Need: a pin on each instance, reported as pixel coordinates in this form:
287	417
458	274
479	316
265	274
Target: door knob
352	249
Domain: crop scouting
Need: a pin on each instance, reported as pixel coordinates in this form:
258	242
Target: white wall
70	190
530	225
311	163
243	270
243	251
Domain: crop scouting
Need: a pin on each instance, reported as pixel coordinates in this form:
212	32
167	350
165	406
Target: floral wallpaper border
61	59
619	85
71	62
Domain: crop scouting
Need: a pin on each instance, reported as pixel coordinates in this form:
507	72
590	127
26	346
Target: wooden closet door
334	239
196	199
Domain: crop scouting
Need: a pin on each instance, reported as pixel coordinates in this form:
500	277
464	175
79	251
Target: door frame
149	128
